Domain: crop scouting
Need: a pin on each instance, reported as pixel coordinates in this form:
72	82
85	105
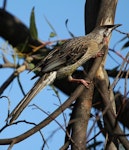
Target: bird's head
106	30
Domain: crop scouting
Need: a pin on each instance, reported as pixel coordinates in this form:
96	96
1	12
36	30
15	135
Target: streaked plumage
64	61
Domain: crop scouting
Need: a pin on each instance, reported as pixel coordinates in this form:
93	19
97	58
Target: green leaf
53	33
125	45
33	29
66	24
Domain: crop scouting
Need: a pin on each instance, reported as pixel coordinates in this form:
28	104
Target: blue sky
57	12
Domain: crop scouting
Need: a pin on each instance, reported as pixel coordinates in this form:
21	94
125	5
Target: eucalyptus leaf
125	45
33	28
66	24
53	33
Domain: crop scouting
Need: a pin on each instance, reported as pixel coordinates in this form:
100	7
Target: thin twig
8	104
126	83
4	4
118	54
12	77
20	85
119	74
57	95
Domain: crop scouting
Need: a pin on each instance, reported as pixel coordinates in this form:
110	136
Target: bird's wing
72	55
39	85
69	52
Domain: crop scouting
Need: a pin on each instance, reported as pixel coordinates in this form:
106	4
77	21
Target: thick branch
115	129
13	30
81	115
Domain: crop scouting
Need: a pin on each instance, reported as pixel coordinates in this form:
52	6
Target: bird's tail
39	85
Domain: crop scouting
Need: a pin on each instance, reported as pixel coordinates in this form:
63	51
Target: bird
63	61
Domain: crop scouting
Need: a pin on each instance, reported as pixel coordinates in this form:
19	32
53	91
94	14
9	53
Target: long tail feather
39	85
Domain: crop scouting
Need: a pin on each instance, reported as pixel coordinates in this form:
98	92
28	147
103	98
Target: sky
56	11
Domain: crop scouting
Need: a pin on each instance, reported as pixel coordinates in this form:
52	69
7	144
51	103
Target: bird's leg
84	82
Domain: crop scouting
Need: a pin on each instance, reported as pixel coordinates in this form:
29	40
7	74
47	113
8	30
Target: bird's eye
106	33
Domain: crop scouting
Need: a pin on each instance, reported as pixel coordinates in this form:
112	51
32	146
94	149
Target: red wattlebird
62	62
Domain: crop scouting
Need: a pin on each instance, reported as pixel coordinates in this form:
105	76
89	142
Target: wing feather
69	53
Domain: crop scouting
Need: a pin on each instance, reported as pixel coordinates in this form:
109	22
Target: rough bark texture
103	13
81	115
106	15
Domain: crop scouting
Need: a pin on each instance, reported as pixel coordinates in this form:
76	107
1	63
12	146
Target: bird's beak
115	26
112	27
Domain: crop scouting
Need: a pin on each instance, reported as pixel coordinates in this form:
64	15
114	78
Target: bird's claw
84	82
99	54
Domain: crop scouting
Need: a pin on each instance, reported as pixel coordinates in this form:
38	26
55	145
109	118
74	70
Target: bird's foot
84	82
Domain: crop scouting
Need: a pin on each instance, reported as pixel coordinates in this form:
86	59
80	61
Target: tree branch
59	110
